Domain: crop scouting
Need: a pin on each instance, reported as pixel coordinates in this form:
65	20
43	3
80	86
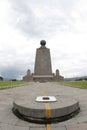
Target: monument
43	66
36	107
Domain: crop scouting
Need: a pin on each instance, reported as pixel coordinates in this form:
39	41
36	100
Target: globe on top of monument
43	42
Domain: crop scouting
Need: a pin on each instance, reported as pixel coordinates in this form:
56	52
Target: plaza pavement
8	121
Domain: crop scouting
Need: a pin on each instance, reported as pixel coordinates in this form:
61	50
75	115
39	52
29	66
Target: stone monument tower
43	67
43	60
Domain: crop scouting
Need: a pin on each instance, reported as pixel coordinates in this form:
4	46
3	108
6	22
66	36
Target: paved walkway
8	121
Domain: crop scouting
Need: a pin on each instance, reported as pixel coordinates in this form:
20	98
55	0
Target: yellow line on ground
48	111
44	94
48	127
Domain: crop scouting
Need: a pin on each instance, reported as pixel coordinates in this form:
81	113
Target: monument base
43	78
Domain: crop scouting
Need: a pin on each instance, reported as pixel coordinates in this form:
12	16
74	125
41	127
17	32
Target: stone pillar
57	72
28	76
28	72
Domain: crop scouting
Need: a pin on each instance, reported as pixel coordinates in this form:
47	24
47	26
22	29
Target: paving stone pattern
8	121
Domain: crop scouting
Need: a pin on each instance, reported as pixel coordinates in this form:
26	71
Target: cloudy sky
62	23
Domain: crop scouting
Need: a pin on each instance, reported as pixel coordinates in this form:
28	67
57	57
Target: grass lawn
9	84
79	84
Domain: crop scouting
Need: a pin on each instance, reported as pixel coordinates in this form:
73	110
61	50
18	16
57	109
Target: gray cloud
42	18
63	23
12	73
14	62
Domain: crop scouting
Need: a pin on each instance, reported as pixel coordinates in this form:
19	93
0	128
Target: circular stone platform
45	112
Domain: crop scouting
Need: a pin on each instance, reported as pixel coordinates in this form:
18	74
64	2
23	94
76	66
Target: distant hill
76	78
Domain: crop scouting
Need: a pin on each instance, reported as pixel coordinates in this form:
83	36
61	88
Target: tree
1	78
